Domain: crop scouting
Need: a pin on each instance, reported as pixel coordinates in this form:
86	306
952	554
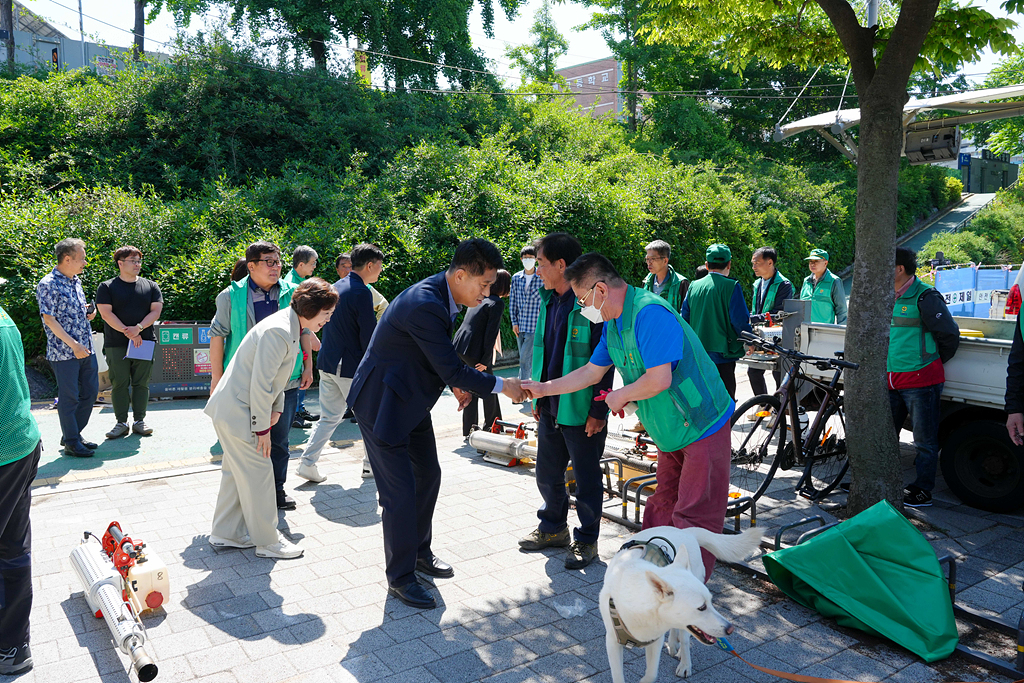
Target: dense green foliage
994	236
192	161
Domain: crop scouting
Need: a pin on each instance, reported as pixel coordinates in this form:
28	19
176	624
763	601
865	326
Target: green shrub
954	189
960	247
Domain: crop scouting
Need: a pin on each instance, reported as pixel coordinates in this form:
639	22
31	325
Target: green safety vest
240	318
911	346
820	296
695	400
672	291
573	408
769	297
293	277
709	299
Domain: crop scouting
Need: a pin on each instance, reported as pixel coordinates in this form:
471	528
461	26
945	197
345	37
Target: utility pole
872	13
81	31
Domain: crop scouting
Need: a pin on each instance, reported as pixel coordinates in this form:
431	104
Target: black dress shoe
88	444
284	501
306	415
414	595
434	567
78	451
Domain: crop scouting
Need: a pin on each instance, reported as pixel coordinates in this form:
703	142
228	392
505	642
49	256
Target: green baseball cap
817	254
718	254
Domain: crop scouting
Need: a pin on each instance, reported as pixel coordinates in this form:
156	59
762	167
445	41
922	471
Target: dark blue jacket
347	334
408	363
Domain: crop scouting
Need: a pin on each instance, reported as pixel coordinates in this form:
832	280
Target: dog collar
622	633
658	555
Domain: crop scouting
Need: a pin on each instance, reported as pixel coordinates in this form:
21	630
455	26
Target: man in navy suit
406	367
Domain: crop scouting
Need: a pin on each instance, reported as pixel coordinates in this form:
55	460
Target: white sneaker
218	542
367	471
283	549
310	472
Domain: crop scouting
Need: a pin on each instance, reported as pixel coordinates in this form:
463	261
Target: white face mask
593	314
529	263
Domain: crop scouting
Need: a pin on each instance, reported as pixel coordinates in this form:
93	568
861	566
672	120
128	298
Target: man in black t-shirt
129	305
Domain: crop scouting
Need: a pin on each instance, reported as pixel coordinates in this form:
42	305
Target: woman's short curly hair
312	296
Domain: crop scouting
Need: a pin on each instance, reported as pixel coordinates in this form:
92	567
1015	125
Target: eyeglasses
582	300
133	261
271	262
652	259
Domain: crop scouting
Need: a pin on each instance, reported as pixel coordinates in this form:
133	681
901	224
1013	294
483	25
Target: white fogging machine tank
108	572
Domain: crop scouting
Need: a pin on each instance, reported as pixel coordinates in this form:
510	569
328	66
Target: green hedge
192	161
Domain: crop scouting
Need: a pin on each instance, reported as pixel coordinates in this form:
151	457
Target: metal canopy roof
25	20
838	121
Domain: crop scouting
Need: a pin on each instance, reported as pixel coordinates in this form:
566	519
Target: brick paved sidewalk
326	617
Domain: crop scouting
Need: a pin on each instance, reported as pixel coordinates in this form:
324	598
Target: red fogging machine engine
120	582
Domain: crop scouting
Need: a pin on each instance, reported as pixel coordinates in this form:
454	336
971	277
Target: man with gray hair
66	315
663	280
304	260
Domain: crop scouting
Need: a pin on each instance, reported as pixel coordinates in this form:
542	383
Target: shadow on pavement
245	608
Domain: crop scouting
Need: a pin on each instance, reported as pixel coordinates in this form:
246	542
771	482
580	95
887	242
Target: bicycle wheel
826	467
758	436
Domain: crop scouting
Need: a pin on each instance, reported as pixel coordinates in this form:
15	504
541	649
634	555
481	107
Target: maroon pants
693	488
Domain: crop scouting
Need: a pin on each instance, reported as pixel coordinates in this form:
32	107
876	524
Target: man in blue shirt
675	387
66	315
346	336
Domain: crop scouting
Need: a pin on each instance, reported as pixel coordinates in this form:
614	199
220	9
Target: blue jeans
556	447
78	383
525	343
923	406
301	406
279	438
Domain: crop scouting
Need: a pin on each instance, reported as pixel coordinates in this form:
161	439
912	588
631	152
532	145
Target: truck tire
983	467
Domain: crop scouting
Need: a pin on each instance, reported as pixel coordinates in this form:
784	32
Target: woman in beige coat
246	403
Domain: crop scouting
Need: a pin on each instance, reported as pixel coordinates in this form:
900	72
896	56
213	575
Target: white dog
643	597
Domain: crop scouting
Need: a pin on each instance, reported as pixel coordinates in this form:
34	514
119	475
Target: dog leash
800	678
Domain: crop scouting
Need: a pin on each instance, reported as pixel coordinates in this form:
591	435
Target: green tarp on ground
877	573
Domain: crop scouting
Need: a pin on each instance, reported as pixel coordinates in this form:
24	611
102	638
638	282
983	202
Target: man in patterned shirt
66	315
524	308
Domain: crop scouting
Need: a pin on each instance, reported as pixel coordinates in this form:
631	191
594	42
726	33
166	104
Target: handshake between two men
511	387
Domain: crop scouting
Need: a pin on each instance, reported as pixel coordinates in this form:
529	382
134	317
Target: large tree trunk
140	30
882	88
7	23
873	446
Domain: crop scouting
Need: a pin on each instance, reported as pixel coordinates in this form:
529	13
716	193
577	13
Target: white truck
978	461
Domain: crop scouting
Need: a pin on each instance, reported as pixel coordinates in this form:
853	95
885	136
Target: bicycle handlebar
767	345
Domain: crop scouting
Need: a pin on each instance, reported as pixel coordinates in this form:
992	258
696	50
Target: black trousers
16	548
727	371
279	452
757	383
408	479
556	447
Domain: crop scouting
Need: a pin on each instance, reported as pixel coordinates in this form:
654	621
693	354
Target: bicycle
762	445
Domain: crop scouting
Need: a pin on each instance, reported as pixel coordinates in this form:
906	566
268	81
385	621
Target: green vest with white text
696	399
